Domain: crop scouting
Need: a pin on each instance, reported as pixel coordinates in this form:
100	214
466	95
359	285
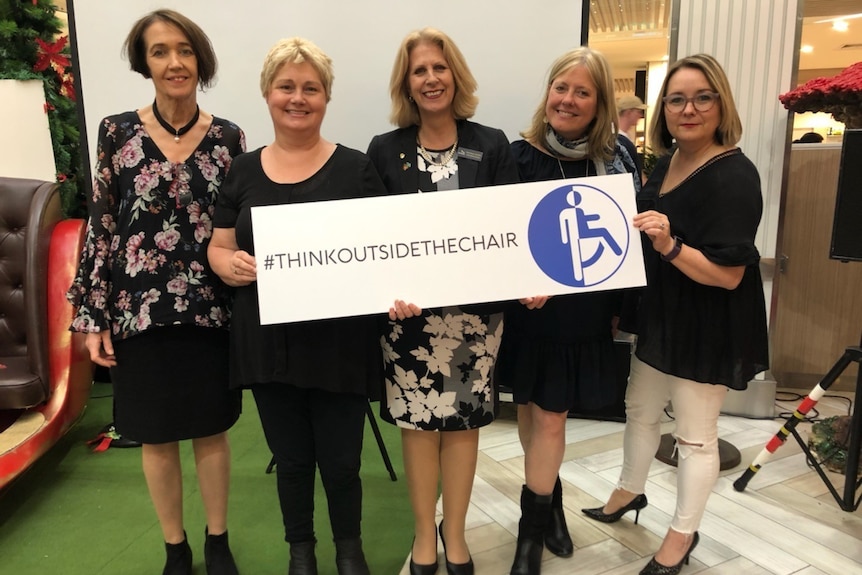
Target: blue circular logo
578	235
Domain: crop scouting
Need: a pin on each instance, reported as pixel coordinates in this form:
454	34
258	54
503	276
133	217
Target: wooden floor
785	522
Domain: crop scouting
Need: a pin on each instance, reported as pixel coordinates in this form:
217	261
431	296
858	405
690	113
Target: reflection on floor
785	522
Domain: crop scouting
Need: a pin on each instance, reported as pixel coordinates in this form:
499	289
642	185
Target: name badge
469	154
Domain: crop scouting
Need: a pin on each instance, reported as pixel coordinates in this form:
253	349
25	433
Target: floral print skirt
439	369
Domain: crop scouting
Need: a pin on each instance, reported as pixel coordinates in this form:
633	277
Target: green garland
31	50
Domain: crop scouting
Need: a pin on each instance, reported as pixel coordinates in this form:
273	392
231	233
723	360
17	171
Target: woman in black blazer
439	362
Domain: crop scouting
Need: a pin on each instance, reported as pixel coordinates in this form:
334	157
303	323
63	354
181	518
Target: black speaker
847	224
640	84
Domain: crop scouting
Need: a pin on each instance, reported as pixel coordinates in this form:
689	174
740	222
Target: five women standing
145	289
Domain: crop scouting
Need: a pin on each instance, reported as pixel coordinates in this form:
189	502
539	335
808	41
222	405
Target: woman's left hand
655	225
402	310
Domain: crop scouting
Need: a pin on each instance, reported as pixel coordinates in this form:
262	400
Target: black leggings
305	428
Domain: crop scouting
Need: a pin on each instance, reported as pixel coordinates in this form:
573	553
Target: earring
409	97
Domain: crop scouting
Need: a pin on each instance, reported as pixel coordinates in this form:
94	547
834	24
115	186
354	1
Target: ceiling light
840	25
845	17
806	49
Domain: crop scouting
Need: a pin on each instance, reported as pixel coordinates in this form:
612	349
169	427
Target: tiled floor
785	522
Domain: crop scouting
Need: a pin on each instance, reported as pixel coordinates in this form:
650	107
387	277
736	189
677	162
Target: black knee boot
302	559
349	558
179	560
535	512
219	559
557	538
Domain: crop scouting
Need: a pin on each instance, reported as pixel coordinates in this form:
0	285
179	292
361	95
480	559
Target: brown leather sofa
29	210
45	370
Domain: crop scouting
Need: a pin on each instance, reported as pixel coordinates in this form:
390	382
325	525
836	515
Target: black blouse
694	331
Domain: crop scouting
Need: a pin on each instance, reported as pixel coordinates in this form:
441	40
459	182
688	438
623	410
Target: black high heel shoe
636	504
455	568
656	568
423	569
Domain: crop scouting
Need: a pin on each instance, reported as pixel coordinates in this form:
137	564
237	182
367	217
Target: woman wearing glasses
702	318
153	310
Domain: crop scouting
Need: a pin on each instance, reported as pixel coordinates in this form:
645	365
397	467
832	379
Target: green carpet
81	513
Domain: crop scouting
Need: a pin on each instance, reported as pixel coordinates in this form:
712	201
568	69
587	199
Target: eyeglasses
702	102
182	175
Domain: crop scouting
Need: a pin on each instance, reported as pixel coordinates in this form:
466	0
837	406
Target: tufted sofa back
29	210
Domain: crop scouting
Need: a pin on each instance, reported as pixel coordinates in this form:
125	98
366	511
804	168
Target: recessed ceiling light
840	25
806	49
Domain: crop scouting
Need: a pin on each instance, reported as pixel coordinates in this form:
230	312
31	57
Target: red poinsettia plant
839	95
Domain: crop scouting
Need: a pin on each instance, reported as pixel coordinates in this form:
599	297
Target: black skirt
171	383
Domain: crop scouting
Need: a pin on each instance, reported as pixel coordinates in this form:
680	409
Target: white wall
509	47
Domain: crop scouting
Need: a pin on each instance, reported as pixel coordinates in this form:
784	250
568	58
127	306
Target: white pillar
755	42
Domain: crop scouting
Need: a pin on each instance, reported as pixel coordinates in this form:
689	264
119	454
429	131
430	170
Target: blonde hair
404	112
602	132
729	130
296	51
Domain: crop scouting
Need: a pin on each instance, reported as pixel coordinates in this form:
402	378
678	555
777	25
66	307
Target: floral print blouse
144	261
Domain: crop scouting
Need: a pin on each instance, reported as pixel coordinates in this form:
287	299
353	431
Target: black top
568	318
394	155
144	262
484	159
690	330
338	355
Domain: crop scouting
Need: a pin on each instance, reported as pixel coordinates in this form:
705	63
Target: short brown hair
296	51
601	133
404	112
136	51
729	129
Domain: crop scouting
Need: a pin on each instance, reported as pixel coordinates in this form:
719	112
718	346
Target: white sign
355	257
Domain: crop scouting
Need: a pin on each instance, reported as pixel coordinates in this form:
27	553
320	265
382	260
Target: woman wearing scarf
558	354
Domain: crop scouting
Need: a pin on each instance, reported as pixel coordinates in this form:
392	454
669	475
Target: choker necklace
443	158
177	132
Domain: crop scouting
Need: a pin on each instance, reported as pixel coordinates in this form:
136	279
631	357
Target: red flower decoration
839	95
67	86
50	54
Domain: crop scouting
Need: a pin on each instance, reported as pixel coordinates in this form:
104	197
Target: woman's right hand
243	267
402	310
234	266
535	302
101	349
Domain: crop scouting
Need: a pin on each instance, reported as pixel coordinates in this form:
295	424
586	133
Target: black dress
336	355
438	367
560	357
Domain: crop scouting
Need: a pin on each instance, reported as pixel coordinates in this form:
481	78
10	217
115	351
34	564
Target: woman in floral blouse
439	362
153	310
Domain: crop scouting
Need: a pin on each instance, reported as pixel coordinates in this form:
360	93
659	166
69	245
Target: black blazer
394	156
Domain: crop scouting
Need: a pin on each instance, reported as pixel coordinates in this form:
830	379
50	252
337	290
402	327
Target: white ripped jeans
696	407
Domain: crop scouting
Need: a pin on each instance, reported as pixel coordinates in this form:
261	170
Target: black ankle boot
179	561
557	538
219	559
302	559
349	558
535	513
